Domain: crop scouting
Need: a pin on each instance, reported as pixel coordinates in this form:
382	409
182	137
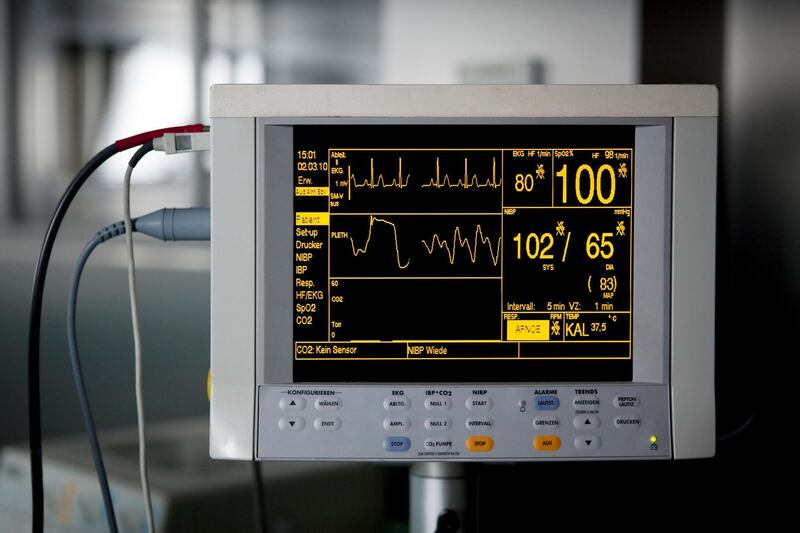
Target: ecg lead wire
137	340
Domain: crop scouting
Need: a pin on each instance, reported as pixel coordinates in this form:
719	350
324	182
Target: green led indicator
653	439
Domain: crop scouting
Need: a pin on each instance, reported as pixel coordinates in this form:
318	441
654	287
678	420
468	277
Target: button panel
463	422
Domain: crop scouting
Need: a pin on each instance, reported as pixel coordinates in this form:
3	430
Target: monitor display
442	253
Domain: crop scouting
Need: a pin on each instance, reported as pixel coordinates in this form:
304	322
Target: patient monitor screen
463	253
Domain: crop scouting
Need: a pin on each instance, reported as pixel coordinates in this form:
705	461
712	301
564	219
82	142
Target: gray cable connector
177	143
176	224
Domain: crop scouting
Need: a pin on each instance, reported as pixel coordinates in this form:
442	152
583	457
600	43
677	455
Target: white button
437	403
479	403
587	442
396	403
327	404
586	401
330	423
626	402
545	422
435	445
477	423
586	422
627	422
292	404
291	423
438	424
394	424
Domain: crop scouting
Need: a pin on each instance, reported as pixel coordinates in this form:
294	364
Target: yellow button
480	443
547	443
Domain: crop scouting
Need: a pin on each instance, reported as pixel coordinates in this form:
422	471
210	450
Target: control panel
463	422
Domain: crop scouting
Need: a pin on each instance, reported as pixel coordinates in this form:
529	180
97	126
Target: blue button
396	444
546	403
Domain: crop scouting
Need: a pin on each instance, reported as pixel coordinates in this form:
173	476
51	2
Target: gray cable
103	235
188	224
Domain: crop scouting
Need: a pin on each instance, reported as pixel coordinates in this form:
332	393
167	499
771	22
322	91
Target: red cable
141	138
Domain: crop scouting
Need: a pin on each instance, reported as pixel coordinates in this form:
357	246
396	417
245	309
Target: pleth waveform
464	243
362	250
452	247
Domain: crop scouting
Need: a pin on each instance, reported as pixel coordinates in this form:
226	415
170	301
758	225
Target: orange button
480	443
547	443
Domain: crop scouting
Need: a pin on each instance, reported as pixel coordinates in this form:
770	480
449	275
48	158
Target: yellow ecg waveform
372	220
438	182
464	242
380	182
464	182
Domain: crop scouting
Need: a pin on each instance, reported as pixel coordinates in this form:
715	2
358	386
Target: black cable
140	153
738	431
260	514
40	274
103	235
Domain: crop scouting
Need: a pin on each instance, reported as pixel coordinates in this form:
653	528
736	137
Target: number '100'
585	178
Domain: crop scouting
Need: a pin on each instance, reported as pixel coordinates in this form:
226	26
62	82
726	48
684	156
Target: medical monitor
469	273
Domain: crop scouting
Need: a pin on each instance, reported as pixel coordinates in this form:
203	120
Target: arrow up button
292	404
586	422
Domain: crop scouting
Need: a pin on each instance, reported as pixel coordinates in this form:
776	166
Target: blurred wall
760	247
174	314
8	182
426	41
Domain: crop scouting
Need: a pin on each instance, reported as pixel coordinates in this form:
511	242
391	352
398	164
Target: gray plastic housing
251	354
